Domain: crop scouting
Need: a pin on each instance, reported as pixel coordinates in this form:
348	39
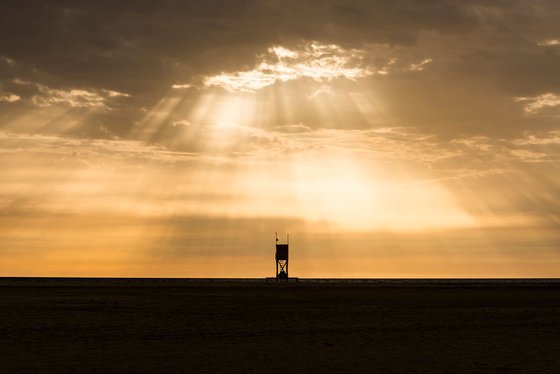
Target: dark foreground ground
136	326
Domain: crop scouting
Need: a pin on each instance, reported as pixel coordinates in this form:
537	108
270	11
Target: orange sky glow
432	152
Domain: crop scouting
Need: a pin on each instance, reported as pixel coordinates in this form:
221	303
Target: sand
143	326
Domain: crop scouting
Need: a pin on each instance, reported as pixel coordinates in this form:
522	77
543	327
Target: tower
282	259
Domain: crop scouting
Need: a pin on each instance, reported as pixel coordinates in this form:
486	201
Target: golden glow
299	143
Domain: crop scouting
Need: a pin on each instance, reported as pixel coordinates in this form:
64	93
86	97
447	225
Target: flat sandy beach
137	326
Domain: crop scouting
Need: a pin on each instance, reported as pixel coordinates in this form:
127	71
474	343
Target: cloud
420	66
75	98
481	47
319	62
181	123
9	98
7	60
323	90
548	42
535	104
549	137
180	86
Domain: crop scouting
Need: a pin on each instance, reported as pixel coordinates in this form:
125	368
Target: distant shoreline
186	282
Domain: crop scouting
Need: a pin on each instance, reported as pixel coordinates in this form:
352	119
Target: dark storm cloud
485	53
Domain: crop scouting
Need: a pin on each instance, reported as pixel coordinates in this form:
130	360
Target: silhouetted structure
282	259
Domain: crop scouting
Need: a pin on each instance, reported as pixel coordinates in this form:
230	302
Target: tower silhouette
282	259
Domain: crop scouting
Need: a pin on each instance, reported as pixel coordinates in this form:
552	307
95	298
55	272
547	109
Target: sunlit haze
173	139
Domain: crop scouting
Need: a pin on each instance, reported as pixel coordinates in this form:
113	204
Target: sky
174	138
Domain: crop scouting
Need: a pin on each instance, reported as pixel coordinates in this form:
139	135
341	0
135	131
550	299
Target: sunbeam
311	137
